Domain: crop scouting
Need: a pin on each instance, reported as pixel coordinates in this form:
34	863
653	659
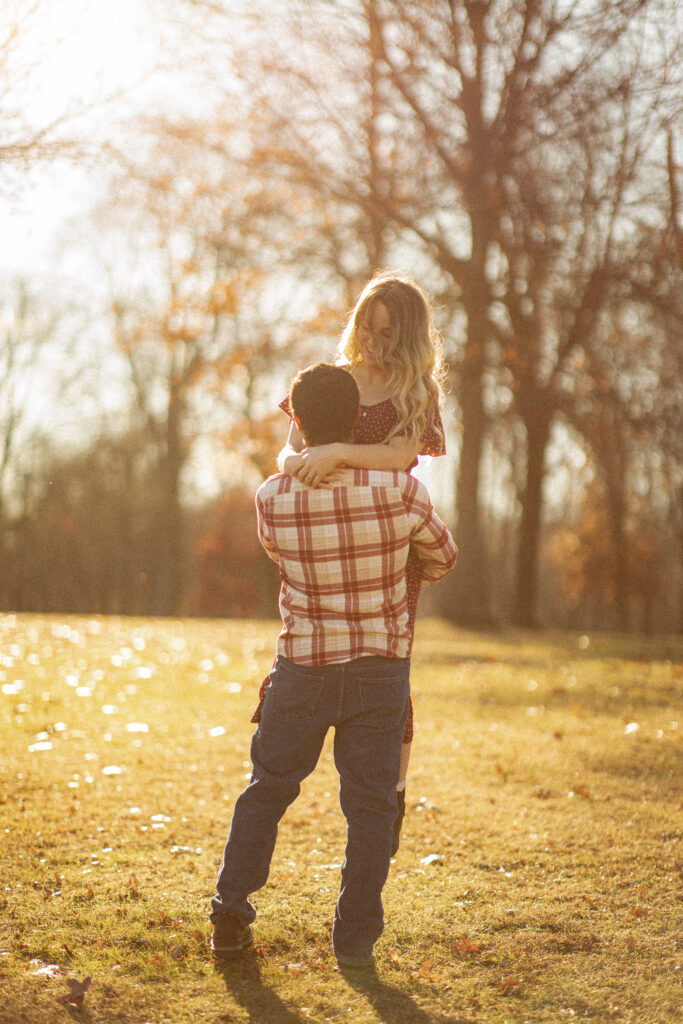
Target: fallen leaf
177	952
630	942
429	975
509	985
639	912
77	990
465	946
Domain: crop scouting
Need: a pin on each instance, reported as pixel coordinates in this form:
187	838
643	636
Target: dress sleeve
433	441
284	405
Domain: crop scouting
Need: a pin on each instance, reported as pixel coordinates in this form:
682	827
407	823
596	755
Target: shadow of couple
244	983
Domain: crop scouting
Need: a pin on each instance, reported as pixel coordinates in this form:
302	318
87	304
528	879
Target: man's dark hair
325	399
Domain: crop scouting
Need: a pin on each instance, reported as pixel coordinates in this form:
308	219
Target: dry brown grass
539	877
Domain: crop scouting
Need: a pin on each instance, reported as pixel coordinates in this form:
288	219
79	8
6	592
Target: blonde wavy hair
412	360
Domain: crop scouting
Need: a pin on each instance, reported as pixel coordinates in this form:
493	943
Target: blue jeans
366	700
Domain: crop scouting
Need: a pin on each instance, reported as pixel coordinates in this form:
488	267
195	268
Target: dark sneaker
398	822
229	935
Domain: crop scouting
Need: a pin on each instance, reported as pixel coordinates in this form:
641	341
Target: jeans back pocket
294	695
384	702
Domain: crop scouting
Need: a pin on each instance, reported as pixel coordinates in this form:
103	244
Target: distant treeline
93	538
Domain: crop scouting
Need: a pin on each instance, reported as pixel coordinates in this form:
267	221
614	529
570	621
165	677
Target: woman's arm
395	454
289	458
317	463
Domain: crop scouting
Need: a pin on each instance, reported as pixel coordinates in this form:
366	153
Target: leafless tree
502	148
27	327
29	137
196	348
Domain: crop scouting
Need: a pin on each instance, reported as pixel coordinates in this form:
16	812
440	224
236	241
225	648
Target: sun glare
80	67
86	51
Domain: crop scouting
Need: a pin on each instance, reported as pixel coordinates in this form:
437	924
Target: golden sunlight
86	51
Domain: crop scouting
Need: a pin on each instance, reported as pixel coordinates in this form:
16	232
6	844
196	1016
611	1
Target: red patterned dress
374	425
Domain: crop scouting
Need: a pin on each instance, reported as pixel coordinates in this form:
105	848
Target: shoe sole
235	948
220	950
355	965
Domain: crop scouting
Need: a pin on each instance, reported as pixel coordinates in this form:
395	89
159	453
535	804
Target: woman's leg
405	761
402	778
413	587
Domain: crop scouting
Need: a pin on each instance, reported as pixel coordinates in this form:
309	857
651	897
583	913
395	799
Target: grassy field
539	877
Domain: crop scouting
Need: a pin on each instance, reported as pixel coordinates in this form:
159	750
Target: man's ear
297	423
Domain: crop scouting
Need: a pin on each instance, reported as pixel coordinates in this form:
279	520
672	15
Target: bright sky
92	55
101	46
87	51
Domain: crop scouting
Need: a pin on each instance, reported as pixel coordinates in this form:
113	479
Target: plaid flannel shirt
342	556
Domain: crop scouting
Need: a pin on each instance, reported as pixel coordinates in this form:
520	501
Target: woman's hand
318	467
291	464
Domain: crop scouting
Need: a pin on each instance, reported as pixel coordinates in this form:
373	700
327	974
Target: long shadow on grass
391	1004
242	978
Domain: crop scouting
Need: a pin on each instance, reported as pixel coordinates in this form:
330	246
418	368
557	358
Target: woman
391	347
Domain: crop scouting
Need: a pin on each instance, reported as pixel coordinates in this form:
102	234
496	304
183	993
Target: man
341	662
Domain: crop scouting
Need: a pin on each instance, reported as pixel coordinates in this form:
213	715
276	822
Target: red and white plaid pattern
342	555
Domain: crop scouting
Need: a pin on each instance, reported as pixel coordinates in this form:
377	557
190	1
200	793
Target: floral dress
374	425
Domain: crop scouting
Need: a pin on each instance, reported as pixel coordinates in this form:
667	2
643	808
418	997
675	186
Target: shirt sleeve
263	534
430	538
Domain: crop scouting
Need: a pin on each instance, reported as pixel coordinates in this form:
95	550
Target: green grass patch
540	872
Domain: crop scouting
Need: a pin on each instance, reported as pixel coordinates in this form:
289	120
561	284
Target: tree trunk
528	550
617	510
168	597
467	599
